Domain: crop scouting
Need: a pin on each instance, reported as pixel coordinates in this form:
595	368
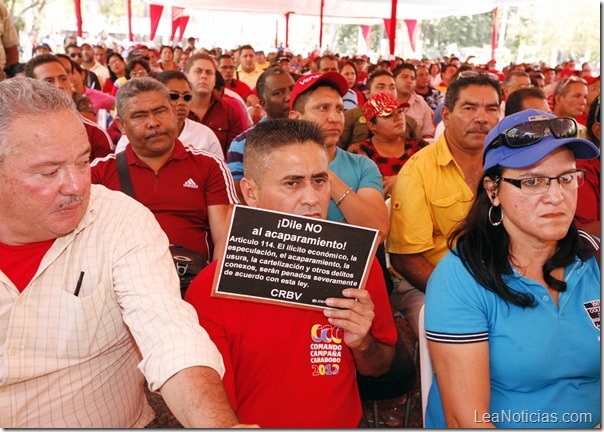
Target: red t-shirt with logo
20	263
287	367
178	194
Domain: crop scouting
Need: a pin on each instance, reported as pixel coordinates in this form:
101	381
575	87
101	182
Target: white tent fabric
351	10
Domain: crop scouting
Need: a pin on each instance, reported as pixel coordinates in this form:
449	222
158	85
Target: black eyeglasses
531	132
475	74
74	55
538	185
187	96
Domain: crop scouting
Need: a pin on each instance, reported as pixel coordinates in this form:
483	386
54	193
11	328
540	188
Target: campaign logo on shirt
593	310
325	349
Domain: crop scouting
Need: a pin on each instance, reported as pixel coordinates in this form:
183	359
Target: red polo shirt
100	142
178	194
223	119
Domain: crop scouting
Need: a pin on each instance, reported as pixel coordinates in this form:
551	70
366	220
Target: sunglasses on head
187	97
475	74
531	132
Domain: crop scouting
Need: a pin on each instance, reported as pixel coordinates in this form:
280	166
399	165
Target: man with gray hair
188	190
88	290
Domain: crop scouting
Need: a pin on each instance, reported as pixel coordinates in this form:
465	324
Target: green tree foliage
465	31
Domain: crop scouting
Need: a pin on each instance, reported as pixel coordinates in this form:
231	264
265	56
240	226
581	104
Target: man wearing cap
436	187
356	183
42	48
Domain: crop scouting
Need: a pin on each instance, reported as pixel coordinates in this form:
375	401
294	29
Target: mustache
72	199
479	129
154	134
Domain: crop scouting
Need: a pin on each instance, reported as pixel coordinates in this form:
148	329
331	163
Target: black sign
293	260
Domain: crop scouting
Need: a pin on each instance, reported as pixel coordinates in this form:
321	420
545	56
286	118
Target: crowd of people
482	183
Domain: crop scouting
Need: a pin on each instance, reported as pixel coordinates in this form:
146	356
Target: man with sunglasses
75	53
570	100
187	190
436	187
191	133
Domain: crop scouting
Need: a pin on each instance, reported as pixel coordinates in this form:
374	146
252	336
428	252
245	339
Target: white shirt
194	135
68	361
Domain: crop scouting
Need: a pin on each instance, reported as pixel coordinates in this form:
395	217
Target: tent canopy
354	11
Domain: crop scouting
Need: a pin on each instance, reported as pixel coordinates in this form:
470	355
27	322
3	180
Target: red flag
184	20
155	15
366	31
411	27
177	13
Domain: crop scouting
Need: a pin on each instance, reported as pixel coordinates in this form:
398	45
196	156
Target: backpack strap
124	174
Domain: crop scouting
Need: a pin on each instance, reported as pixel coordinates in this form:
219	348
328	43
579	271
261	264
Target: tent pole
321	25
392	35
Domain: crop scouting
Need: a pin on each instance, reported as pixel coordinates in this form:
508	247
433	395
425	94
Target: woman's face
350	74
391	127
542	218
117	66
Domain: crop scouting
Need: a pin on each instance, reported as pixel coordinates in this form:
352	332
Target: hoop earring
496	223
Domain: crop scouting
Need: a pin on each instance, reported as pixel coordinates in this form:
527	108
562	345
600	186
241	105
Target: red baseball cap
381	105
305	82
591	79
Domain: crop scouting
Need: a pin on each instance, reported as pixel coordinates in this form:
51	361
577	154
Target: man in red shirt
289	367
48	67
187	190
206	107
227	69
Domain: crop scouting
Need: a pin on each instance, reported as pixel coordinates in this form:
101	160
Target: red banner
155	12
411	28
177	13
184	20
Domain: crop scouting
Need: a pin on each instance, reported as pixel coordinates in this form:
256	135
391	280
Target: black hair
397	70
38	60
458	83
137	61
513	104
376	74
593	116
261	83
169	75
112	75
